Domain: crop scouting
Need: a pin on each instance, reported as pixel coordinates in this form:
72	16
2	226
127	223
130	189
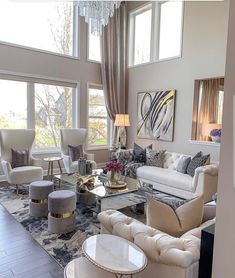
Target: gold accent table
50	161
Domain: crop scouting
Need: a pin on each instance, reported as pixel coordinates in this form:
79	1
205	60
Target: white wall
15	59
224	253
203	56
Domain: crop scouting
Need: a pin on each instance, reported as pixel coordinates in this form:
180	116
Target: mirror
208	109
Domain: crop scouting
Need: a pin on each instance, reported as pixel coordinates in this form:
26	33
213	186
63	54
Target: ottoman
38	194
61	216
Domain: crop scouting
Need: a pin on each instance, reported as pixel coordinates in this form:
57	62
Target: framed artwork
155	115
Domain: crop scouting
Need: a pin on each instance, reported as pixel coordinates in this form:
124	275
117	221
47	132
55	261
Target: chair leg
17	189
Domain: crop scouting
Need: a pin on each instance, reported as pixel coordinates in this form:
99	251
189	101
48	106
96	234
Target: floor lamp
122	121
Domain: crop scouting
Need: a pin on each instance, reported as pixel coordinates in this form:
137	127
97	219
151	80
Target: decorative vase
113	176
216	139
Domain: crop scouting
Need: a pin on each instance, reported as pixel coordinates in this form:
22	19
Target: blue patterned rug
66	247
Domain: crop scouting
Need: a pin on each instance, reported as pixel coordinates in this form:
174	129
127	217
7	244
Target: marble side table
114	255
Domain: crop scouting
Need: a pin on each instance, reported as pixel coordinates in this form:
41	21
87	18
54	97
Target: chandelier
97	13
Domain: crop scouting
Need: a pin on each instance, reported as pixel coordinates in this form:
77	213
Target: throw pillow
183	164
197	161
155	158
186	215
139	154
75	152
19	158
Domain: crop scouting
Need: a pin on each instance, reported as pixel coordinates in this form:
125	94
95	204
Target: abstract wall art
155	112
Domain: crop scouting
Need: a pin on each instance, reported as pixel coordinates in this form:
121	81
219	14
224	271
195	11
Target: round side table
114	254
50	161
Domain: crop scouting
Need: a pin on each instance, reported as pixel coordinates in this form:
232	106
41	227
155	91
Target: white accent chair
19	139
73	137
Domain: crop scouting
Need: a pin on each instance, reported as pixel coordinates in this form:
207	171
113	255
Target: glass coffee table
103	192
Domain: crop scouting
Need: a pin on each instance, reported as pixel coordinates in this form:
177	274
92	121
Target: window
44	107
53	111
170	30
42	25
98	121
207	107
155	32
94	52
13	114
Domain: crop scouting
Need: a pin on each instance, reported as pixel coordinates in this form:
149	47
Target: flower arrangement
216	132
113	170
113	166
215	135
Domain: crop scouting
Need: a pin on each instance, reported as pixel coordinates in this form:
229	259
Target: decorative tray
115	185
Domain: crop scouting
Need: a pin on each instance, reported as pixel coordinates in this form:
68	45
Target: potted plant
113	170
215	135
83	185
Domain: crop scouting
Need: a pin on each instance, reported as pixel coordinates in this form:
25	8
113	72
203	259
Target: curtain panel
114	64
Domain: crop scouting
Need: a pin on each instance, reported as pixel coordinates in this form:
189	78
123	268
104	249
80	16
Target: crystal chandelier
97	13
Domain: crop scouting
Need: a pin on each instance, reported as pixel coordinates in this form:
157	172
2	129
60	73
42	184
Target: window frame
155	33
88	46
109	122
31	81
76	41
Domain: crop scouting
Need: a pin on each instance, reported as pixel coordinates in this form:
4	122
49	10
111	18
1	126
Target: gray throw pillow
183	164
20	158
155	158
197	161
75	152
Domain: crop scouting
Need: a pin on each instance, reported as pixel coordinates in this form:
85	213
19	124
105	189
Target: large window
42	25
44	107
155	32
98	121
53	111
94	53
13	104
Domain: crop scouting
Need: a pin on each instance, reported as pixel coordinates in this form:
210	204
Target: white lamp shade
207	128
122	120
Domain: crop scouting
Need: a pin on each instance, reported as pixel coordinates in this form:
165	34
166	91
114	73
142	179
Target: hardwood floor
20	255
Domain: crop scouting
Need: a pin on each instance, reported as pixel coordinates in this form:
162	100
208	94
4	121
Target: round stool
38	194
61	216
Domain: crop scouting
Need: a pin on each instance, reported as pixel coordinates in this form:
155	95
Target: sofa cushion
183	164
139	154
166	176
171	160
197	161
154	157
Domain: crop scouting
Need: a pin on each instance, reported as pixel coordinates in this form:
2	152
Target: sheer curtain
114	64
208	110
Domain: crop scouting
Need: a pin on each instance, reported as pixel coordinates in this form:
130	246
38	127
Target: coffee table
100	191
114	254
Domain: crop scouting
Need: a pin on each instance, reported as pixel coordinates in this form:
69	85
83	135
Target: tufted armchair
73	137
19	139
167	256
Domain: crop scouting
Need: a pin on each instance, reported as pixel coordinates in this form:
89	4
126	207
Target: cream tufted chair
168	257
19	139
73	137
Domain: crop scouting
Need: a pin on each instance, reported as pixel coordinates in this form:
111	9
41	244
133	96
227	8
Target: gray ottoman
38	194
61	206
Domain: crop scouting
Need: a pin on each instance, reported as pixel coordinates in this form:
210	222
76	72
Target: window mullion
30	105
155	31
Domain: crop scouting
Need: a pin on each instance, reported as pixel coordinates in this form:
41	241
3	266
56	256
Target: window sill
40	50
93	61
46	151
205	143
98	148
155	62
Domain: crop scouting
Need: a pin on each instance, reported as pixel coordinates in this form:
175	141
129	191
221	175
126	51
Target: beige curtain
208	110
114	64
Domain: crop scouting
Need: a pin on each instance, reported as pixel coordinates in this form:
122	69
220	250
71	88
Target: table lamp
122	121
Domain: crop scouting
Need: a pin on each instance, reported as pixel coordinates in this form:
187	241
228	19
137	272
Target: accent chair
74	137
19	139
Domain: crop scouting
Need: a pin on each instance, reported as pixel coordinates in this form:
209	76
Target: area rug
63	248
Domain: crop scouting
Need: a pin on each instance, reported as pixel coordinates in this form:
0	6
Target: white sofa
167	256
168	180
